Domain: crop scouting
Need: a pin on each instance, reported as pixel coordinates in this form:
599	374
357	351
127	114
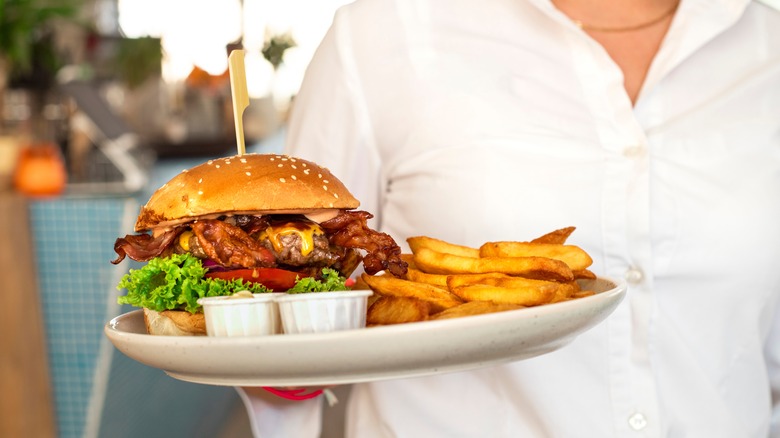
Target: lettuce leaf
176	282
331	281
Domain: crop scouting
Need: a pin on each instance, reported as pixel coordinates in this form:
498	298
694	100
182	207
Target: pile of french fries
446	280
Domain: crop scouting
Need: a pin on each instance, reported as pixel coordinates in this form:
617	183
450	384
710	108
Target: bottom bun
174	323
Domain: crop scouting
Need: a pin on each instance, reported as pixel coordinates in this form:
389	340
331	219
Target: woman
653	127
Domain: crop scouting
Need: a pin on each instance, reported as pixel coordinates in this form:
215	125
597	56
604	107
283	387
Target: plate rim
610	298
471	320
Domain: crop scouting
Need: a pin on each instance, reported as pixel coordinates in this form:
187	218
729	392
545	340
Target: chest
522	146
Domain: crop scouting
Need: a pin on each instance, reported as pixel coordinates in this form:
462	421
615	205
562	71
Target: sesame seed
282	180
306	171
319	175
284	159
336	195
249	174
280	165
200	192
200	181
294	177
227	161
293	166
184	171
325	181
243	160
303	164
325	188
210	162
217	166
293	160
272	159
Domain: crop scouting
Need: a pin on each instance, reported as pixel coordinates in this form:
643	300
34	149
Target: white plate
376	353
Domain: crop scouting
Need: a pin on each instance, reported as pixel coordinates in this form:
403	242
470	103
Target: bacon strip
350	230
233	247
230	246
143	247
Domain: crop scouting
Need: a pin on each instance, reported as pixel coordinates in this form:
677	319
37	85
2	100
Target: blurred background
101	102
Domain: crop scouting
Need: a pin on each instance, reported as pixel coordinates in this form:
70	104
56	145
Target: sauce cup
318	312
242	315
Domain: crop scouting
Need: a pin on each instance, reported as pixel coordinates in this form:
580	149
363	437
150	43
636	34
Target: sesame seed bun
246	184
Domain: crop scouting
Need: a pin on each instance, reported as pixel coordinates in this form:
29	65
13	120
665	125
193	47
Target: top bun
245	184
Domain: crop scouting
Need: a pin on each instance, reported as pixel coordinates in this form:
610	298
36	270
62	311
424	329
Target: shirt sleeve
283	419
329	121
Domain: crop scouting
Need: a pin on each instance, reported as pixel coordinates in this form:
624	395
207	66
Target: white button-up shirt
473	121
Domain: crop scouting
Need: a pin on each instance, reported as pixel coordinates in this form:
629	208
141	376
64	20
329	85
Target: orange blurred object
40	171
199	78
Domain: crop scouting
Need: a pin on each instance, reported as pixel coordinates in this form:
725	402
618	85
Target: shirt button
637	421
634	276
634	151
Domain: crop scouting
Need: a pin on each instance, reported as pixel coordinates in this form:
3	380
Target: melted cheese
184	240
305	230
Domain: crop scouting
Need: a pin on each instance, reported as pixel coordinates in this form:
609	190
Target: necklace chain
652	22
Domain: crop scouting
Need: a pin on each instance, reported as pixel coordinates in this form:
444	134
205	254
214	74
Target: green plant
26	34
137	59
275	46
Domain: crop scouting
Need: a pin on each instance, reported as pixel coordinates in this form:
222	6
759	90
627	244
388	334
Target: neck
617	16
632	50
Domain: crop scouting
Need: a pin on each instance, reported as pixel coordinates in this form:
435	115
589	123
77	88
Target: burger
256	222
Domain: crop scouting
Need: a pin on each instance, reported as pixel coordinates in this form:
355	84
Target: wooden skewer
239	94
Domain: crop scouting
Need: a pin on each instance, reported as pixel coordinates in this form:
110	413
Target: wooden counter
26	403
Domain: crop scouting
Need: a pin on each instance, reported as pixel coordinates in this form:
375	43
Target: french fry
360	284
388	285
397	310
584	274
557	237
372	298
506	295
422	277
575	257
542	268
565	291
445	280
409	259
522	286
496	279
474	308
582	294
492	278
418	242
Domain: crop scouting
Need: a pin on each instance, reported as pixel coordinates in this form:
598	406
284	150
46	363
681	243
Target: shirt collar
728	11
695	24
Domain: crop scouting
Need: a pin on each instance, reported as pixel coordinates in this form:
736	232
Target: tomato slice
278	280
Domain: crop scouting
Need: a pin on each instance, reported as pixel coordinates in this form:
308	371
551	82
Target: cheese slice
305	230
